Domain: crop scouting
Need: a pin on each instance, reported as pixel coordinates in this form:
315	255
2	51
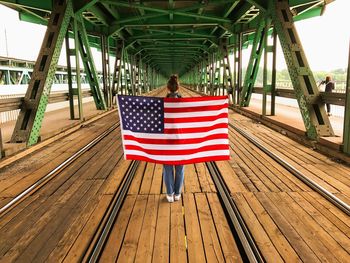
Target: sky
329	32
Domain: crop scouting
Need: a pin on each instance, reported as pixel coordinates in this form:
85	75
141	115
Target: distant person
329	88
173	187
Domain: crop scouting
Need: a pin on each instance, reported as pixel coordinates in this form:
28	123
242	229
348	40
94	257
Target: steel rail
313	185
250	248
110	216
42	181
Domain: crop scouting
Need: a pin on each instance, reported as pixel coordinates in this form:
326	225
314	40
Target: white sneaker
170	198
177	197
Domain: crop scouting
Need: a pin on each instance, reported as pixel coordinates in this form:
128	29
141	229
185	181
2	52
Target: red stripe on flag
194	109
178	152
196	119
176	141
194	130
194	160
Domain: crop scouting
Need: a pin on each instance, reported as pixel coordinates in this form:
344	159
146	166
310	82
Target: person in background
173	186
329	88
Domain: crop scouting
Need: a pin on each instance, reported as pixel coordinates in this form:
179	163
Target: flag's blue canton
142	114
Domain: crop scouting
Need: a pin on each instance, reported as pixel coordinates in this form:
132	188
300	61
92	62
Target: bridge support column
253	65
33	107
311	106
118	67
106	70
269	88
346	133
74	91
88	62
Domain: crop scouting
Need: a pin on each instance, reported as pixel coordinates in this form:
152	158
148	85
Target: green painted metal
253	65
311	106
89	64
346	131
33	107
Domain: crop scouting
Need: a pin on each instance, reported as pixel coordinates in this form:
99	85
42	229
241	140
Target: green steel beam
253	64
89	64
33	107
346	130
82	5
311	106
167	12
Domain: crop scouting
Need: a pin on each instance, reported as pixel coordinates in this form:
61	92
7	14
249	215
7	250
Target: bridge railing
10	104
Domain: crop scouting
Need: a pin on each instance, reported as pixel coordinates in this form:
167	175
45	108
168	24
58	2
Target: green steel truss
254	61
311	106
346	134
154	39
33	107
89	64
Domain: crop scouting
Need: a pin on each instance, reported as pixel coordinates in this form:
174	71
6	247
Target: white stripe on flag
194	103
203	124
176	136
194	114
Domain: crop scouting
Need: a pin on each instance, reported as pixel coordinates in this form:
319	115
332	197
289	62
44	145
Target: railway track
49	176
295	172
250	249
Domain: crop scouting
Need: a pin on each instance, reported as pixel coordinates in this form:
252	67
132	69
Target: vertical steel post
310	103
70	82
346	131
273	79
77	69
239	68
253	65
33	106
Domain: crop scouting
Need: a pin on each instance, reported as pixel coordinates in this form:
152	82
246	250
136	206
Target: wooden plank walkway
288	220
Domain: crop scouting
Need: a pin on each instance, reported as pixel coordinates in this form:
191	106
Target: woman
173	186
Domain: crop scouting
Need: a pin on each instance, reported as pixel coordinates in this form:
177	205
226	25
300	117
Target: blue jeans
168	177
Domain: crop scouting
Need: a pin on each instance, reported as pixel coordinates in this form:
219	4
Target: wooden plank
115	239
147	179
265	176
241	173
131	239
24	238
146	241
241	159
211	241
38	146
329	211
280	242
156	186
314	226
177	234
227	241
162	236
80	231
136	182
231	179
193	232
116	176
43	244
303	227
287	181
191	184
205	181
321	220
261	238
287	229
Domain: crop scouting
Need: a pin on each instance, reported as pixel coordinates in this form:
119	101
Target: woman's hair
173	84
328	78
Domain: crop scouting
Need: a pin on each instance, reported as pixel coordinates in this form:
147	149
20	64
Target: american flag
174	130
